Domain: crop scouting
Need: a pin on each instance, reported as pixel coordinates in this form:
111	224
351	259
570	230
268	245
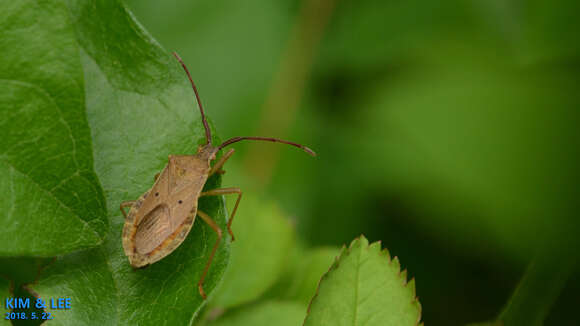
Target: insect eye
180	201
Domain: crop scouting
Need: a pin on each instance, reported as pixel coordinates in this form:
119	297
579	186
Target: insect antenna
205	125
274	140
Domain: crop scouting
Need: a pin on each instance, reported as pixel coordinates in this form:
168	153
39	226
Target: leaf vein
56	199
357	280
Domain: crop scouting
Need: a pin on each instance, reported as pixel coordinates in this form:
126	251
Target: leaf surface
52	201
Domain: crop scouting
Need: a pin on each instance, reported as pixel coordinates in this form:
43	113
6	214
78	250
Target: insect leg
126	204
226	191
217	229
219	164
156	177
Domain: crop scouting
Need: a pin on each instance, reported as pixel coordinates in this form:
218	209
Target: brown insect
161	218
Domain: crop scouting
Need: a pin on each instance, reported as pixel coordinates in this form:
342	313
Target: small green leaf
365	287
266	314
52	201
303	272
307	272
264	237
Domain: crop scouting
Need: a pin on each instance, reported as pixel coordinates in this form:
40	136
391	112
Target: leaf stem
539	288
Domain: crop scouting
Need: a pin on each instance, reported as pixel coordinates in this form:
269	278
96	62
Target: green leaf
266	314
52	202
302	274
365	287
264	237
141	108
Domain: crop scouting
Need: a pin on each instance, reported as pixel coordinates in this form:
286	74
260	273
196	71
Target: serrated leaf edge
402	274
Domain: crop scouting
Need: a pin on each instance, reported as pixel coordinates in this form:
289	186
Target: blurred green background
446	129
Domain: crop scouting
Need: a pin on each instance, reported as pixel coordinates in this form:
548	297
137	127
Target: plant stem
284	97
539	288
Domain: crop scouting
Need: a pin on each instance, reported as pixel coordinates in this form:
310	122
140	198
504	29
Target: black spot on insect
180	201
156	194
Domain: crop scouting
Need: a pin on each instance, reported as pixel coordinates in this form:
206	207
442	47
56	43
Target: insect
160	220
